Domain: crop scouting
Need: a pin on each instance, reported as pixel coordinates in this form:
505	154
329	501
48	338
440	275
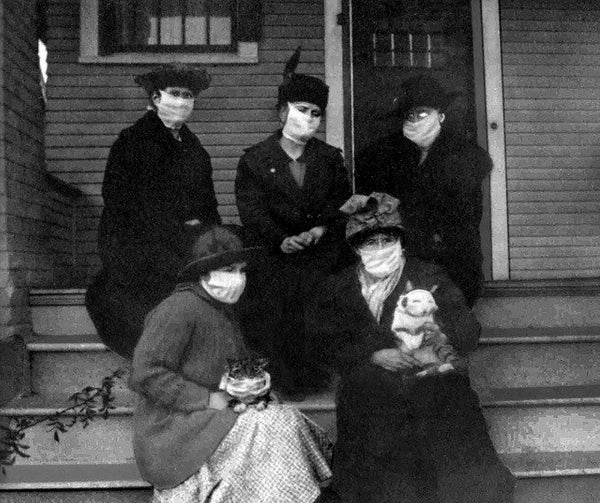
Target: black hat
216	247
300	87
196	79
422	91
377	212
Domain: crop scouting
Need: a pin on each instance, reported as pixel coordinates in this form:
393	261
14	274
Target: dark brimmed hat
377	212
421	91
216	247
300	87
196	79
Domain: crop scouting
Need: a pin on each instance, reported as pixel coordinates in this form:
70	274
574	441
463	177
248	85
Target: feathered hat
300	87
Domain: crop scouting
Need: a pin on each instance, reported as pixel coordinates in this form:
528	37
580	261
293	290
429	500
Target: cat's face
246	368
417	303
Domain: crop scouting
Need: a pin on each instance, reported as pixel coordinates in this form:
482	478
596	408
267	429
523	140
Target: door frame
489	113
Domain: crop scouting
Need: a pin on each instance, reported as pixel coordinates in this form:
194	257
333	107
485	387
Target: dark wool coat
403	438
272	206
153	184
441	199
179	360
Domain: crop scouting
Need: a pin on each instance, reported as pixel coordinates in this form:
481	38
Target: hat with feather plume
300	87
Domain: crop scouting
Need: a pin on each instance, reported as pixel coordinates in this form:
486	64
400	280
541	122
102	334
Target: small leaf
56	437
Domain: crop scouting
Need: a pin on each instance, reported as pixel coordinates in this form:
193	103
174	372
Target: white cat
419	335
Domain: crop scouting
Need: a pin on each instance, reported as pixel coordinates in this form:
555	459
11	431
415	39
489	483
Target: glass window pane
220	30
195	23
136	23
220	22
171	29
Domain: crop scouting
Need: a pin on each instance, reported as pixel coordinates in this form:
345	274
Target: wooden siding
90	103
551	71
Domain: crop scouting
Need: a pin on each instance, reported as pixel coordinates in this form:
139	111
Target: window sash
156	31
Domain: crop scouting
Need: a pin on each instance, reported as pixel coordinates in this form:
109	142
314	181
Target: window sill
247	54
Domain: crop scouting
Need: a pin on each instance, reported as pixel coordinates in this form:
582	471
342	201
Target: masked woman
289	189
189	443
438	176
400	437
157	185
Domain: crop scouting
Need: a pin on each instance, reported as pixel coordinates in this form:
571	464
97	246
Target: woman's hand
393	360
317	233
293	244
218	400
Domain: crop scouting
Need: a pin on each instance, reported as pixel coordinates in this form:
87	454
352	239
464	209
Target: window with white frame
184	30
396	44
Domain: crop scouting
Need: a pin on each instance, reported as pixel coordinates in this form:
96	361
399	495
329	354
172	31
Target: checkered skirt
277	455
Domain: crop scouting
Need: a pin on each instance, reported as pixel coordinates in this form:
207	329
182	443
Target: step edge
108	484
65	347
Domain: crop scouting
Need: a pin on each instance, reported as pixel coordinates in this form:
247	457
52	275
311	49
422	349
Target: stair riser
579	489
556	311
521	365
103	441
58	372
61	320
513	430
106	441
552	428
79	496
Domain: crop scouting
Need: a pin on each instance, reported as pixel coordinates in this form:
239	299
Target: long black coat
441	199
152	185
403	438
272	206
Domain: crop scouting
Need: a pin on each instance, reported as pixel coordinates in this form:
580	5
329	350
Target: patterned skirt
277	455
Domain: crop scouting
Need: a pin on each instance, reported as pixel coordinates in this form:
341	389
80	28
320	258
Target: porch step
539	311
536	356
63	312
509	357
521	420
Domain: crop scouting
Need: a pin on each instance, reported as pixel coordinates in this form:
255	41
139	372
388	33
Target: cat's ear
409	286
433	288
262	363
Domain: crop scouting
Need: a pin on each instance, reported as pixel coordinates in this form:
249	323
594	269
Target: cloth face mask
173	111
425	131
381	262
225	286
300	127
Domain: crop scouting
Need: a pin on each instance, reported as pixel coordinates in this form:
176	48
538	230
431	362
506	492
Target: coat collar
150	125
274	162
196	288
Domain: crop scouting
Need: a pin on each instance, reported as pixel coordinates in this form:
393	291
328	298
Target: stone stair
536	370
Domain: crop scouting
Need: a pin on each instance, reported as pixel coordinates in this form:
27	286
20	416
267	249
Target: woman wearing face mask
289	189
189	443
399	437
437	175
157	185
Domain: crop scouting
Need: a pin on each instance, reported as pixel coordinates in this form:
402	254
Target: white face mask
300	127
225	286
425	131
173	111
381	262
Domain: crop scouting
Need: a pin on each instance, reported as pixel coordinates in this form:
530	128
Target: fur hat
367	215
216	247
196	79
300	87
421	91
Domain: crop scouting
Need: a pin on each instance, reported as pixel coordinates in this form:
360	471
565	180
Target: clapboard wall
88	104
551	71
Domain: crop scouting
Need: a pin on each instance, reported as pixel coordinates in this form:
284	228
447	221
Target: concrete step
67	363
556	477
543	477
521	420
539	356
109	440
509	357
555	419
62	312
558	310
